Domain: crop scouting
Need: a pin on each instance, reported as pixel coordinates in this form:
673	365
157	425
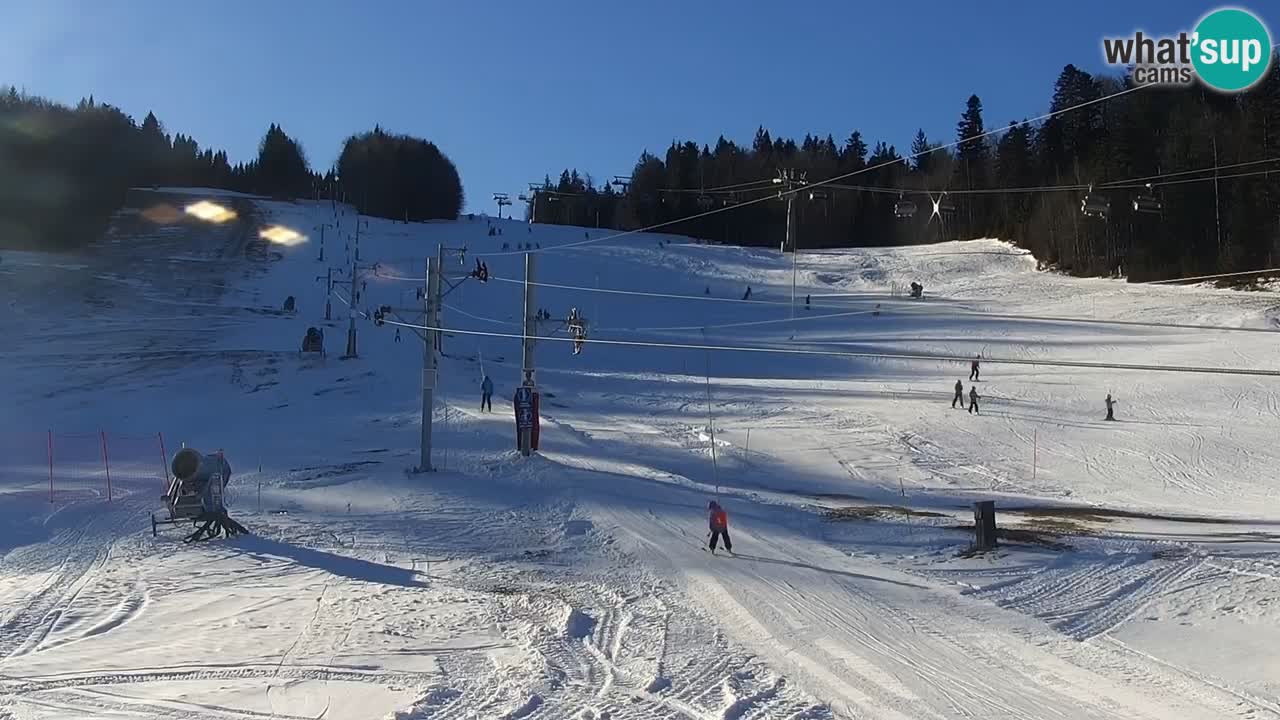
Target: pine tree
920	148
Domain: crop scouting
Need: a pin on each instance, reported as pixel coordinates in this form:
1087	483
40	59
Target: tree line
1204	225
65	170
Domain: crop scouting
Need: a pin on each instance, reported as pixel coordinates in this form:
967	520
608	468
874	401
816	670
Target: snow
1137	579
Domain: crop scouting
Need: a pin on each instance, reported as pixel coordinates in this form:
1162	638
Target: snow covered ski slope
1136	580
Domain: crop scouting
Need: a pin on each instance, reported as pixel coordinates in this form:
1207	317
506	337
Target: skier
486	394
973	369
1110	407
707	291
806	302
973	399
719	526
959	398
747	295
397	334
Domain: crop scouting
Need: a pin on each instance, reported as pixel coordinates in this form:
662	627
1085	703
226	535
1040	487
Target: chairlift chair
904	209
1095	204
1147	203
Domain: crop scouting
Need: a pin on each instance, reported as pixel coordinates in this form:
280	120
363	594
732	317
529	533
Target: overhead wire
873	297
818	183
1194	180
1192	172
880	297
1210	277
913	357
1138	182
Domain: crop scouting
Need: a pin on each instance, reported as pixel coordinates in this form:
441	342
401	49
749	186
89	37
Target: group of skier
975	370
973	397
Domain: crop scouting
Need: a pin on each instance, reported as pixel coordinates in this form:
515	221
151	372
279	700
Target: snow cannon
192	469
196	494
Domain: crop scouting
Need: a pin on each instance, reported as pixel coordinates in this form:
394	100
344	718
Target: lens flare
210	212
280	235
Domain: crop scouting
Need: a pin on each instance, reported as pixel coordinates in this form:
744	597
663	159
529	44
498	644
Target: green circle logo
1232	50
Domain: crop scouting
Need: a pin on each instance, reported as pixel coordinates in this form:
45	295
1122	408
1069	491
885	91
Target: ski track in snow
575	584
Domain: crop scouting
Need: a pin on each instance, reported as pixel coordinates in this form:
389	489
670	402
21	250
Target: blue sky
515	90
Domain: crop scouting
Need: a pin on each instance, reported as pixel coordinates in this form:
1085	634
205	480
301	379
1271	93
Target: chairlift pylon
578	326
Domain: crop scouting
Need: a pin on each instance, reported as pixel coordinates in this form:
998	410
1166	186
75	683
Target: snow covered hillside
1136	579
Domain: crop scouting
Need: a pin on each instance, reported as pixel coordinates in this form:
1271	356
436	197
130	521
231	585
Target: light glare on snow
210	212
162	214
280	235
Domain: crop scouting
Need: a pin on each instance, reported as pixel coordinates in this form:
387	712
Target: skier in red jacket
719	527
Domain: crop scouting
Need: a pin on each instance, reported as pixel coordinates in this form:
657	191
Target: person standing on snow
1110	407
959	398
719	526
973	369
486	394
973	399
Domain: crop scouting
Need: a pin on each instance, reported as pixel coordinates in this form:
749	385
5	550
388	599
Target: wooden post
50	466
164	463
984	524
105	463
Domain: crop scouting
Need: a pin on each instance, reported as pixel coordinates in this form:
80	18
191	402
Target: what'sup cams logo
1229	51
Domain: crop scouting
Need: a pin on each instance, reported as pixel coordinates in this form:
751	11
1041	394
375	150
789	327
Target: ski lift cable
818	183
775	321
767	185
904	306
1184	181
496	321
913	308
1129	183
1211	277
933	309
1191	172
908	309
910	357
641	293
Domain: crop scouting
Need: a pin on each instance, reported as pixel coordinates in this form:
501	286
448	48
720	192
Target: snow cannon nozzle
191	466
